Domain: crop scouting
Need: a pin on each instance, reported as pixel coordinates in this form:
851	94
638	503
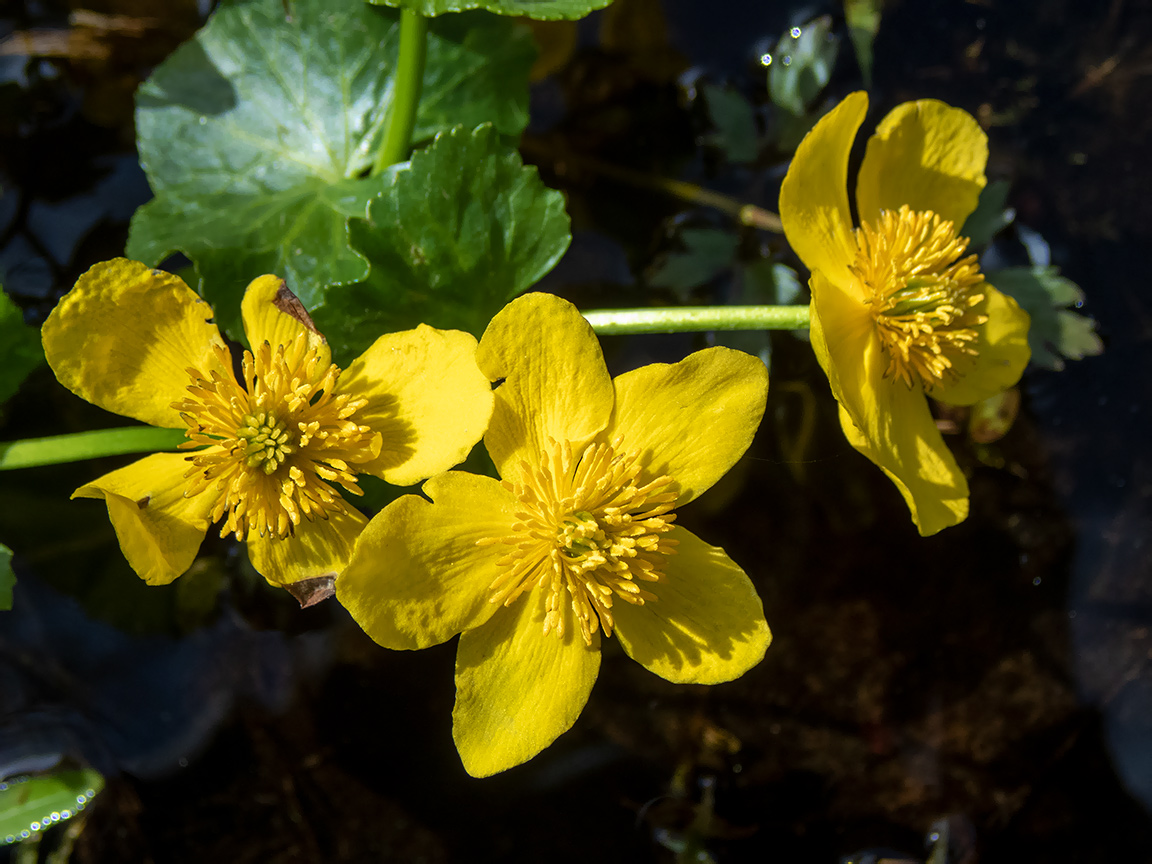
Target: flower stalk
33	452
617	322
406	96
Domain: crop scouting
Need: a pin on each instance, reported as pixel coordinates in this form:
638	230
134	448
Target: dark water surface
992	680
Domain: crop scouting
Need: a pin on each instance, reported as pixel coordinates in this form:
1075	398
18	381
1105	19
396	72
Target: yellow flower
898	309
578	542
277	444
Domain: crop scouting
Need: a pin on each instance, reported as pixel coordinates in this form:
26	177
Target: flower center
921	293
276	445
587	532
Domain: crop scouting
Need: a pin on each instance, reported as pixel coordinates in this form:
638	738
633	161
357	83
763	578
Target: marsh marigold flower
577	543
275	450
900	308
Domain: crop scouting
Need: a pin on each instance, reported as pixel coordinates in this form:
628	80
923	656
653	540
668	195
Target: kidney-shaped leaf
463	228
257	135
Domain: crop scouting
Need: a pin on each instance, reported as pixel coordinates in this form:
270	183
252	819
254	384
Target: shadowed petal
925	154
417	576
517	688
1002	353
426	397
124	337
707	624
692	420
318	548
159	529
555	384
814	196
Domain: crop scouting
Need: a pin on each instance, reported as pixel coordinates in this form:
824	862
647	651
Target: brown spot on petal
290	304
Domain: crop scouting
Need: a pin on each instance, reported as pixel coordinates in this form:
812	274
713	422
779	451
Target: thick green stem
684	319
87	445
406	91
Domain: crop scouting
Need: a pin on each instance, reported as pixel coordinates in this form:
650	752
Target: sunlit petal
517	688
706	625
124	337
273	314
925	154
159	529
1002	353
426	397
321	547
418	576
554	384
692	420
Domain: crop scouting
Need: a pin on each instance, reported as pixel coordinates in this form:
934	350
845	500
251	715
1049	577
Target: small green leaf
7	578
20	350
863	19
28	805
989	216
1056	332
802	65
709	252
463	228
257	135
541	10
735	123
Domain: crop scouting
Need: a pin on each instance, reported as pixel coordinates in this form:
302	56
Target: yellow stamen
588	531
921	293
276	442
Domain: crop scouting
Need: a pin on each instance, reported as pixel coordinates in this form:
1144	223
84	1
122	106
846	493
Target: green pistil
578	534
265	441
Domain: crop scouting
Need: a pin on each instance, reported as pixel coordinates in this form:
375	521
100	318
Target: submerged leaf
461	230
735	122
1056	332
708	253
20	350
802	65
7	578
29	805
863	19
991	215
257	135
541	10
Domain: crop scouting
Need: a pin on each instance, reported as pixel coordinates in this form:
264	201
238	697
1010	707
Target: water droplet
1079	304
1036	581
765	59
35	826
787	61
79	799
795	32
182	762
203	120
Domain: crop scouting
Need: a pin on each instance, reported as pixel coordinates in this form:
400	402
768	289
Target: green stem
87	445
684	319
406	92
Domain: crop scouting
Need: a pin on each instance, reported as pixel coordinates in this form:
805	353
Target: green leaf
863	19
7	578
709	252
541	10
256	136
990	215
463	228
20	350
1056	332
802	65
735	123
28	805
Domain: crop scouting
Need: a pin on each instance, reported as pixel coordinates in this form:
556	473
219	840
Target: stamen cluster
587	531
275	445
920	291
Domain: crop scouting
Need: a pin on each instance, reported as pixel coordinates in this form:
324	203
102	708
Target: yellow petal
273	314
555	384
159	529
885	420
1002	353
691	419
124	337
706	625
927	155
426	397
814	196
318	548
417	576
517	688
933	486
